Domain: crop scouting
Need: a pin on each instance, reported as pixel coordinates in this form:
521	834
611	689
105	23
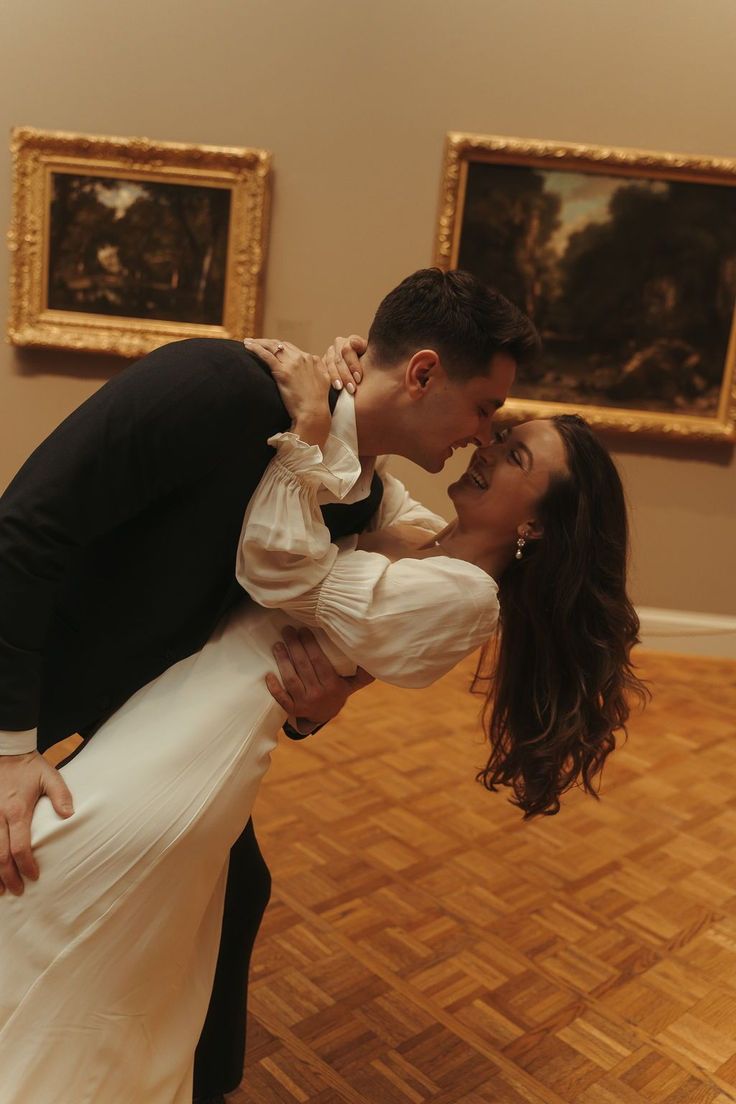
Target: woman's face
506	480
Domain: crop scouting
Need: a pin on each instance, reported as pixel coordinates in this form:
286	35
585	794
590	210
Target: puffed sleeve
406	622
285	548
398	506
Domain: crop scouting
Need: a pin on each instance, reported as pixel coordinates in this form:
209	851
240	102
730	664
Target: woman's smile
474	475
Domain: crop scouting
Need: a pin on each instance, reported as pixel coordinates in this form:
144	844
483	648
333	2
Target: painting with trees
137	248
120	245
625	261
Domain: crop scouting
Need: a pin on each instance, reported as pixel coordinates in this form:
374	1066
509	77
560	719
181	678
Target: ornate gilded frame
463	149
37	154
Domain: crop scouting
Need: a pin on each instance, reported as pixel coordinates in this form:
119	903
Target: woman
106	963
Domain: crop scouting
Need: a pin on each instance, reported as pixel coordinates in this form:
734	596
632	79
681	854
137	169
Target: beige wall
354	98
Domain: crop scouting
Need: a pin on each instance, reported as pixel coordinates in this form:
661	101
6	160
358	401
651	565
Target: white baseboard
687	632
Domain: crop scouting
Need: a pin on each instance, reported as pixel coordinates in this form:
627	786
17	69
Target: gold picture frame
627	261
120	245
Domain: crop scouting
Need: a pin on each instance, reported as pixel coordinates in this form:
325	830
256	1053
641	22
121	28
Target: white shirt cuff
334	467
18	743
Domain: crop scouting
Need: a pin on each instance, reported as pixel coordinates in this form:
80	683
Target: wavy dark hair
558	677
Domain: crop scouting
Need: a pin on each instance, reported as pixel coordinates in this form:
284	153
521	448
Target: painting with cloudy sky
138	249
631	280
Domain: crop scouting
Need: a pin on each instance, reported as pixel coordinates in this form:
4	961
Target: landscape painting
630	277
138	248
119	245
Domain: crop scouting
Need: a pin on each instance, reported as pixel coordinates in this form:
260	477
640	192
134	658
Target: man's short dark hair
465	321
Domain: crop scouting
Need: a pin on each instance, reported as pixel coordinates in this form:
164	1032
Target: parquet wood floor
425	945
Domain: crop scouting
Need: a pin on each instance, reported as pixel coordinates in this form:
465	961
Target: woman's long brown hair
559	677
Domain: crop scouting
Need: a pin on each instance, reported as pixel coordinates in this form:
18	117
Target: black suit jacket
118	536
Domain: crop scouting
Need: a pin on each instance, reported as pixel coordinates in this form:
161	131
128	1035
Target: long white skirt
107	962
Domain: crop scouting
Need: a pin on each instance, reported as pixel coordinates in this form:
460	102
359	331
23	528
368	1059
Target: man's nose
484	436
485	453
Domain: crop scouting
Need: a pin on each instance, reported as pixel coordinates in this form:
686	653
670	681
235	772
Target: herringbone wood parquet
426	945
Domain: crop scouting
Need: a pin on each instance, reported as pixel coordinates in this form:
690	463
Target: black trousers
220	1054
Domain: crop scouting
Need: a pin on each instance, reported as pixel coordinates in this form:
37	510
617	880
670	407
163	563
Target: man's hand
343	362
312	691
23	779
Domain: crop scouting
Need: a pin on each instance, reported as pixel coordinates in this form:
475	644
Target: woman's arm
303	382
401	522
285	549
406	622
399	508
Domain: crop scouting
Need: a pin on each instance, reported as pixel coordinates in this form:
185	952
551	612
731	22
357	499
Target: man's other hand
310	692
23	779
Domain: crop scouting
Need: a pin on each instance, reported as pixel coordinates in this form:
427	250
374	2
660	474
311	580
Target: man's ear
423	372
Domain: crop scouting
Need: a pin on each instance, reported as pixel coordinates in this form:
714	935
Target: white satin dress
107	962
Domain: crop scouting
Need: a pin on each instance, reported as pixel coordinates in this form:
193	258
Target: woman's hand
343	362
304	383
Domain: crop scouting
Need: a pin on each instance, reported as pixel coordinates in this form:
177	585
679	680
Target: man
118	540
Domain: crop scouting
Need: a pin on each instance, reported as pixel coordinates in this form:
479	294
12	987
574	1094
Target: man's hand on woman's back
311	692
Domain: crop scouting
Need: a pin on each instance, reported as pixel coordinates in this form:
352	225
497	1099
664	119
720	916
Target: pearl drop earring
520	542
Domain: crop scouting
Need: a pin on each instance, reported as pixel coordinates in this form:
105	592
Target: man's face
456	413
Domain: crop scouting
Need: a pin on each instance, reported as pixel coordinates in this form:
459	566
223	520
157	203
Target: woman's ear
531	530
